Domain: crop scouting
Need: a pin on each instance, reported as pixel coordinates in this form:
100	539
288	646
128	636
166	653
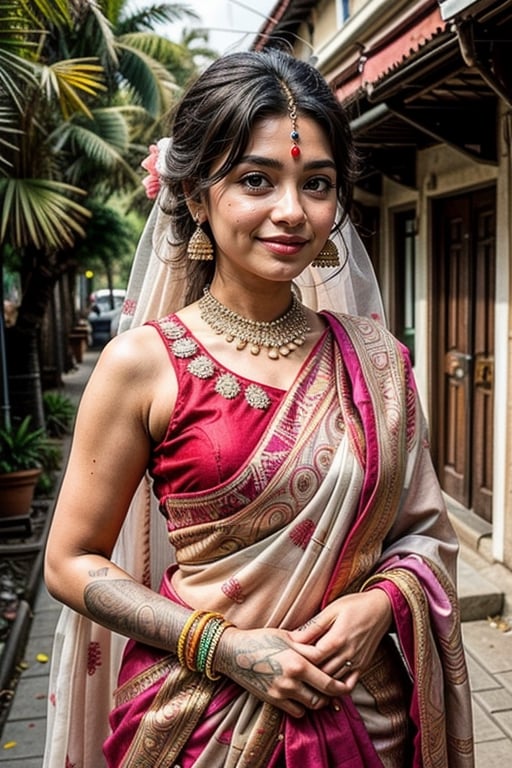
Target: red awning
378	62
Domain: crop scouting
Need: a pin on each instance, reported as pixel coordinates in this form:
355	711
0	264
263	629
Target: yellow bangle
180	647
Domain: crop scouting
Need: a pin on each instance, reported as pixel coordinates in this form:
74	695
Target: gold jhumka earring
328	256
200	246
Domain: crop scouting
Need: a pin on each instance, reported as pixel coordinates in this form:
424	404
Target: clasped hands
313	666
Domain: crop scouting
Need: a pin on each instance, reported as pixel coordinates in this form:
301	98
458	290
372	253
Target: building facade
428	88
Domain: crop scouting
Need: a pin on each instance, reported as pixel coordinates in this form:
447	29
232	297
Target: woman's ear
195	206
197	211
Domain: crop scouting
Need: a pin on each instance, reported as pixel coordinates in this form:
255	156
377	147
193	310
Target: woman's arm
121	412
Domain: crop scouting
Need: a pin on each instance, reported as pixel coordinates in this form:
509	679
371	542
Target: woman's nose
288	208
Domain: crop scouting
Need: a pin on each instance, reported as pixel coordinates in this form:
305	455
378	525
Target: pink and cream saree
338	496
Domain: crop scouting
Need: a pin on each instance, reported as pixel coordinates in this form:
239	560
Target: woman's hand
342	639
269	664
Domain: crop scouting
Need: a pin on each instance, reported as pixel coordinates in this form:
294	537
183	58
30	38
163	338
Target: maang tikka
200	246
292	112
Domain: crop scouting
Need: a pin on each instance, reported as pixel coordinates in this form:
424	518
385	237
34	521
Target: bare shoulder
137	364
134	354
133	377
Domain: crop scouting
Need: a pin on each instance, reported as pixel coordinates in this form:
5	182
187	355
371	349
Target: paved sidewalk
485	590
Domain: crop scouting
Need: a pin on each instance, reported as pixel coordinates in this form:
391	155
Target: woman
311	616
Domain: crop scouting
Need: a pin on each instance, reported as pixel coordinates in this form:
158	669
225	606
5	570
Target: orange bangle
193	640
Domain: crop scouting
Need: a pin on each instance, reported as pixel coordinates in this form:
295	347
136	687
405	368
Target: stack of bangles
198	641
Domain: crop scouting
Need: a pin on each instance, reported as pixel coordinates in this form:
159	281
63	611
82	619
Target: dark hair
217	113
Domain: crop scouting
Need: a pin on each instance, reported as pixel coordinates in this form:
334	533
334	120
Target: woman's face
271	215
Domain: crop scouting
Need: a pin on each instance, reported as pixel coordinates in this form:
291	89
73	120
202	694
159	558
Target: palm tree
40	210
73	97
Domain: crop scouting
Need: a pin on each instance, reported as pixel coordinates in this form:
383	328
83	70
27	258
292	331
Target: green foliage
59	412
110	238
26	205
51	464
125	19
24	448
85	87
21	447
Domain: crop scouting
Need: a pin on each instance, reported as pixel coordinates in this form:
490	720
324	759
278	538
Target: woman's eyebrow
268	162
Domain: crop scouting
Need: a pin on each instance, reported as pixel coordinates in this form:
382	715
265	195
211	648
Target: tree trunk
24	375
22	340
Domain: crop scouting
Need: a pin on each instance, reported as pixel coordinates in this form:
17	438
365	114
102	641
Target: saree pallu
353	505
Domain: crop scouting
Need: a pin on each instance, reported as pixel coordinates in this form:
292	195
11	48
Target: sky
232	23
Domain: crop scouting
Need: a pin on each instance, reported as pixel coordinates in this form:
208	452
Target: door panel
456	343
483	380
462	352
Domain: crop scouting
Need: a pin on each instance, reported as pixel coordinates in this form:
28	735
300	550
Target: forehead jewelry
292	112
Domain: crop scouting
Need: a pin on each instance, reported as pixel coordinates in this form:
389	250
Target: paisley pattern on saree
175	712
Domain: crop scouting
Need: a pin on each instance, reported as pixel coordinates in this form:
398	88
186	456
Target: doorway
462	354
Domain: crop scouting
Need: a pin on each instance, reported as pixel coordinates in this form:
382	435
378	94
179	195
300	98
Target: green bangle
208	669
205	642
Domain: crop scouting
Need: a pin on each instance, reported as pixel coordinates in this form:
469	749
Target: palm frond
157	47
8	128
64	79
21	34
40	212
103	35
52	11
149	17
112	9
147	77
15	74
98	143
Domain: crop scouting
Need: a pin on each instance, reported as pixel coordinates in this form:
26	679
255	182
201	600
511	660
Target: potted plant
59	413
22	451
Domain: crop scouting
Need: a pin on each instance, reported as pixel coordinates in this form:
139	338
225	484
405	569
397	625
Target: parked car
104	313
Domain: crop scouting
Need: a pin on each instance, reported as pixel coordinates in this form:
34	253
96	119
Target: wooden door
463	273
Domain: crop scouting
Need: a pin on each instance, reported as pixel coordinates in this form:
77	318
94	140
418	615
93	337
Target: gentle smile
284	245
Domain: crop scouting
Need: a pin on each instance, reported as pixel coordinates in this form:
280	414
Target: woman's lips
283	245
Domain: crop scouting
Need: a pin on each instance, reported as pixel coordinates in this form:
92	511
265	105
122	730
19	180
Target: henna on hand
257	661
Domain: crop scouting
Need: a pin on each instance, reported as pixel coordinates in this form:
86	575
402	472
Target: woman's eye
255	181
319	184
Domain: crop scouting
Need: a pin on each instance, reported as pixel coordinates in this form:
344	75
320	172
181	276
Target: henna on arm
132	609
99	572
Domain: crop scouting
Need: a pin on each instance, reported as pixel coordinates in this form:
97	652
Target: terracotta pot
17	492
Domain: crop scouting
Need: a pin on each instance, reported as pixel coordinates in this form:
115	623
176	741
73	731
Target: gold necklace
279	337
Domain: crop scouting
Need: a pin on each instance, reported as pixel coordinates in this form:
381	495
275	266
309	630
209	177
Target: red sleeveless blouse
217	422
